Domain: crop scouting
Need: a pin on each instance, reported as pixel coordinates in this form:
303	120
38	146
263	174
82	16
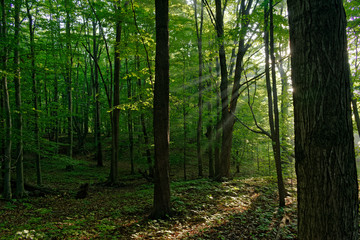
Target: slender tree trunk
354	100
199	28
55	107
284	112
130	121
217	127
356	113
185	143
276	136
98	144
7	194
324	143
209	132
116	112
20	191
161	208
184	122
69	80
34	80
143	127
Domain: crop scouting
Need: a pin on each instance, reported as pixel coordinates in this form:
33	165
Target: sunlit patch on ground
203	209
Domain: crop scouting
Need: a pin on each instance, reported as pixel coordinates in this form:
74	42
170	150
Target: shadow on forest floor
203	209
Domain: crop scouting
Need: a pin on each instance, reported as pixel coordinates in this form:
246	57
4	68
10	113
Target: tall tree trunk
161	207
324	143
116	112
20	191
209	131
98	144
229	108
199	31
54	109
34	80
276	136
184	112
130	121
217	127
284	112
69	80
7	194
224	167
143	126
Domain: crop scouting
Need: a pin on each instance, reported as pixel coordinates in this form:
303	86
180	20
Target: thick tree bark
161	208
324	143
116	112
224	167
228	109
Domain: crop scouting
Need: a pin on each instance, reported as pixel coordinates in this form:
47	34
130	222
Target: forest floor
241	208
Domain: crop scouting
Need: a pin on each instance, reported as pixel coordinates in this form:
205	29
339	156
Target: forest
179	119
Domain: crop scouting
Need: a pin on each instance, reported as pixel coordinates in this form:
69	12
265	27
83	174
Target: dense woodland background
77	109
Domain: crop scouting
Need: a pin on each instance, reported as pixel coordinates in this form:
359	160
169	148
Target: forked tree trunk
229	107
324	143
224	166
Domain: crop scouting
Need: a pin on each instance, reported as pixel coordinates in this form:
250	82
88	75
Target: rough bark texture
116	112
224	167
161	208
229	108
324	144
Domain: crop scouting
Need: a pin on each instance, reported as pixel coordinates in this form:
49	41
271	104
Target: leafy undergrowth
203	209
